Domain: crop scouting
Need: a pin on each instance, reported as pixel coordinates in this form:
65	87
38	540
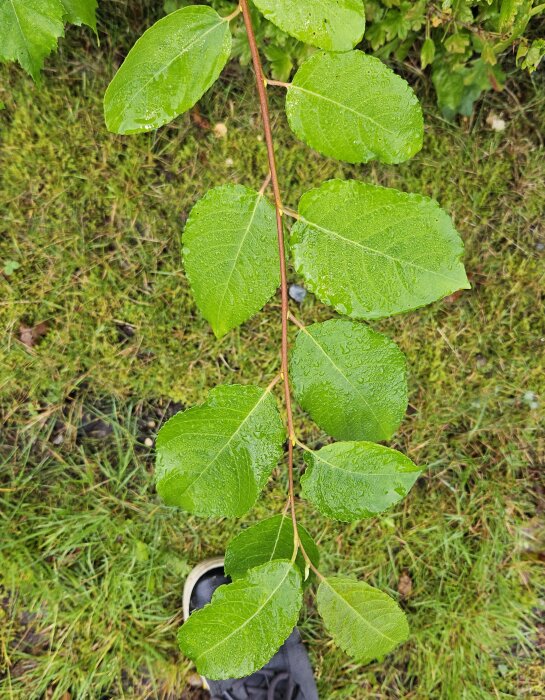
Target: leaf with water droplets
246	622
365	622
230	251
353	107
266	541
350	379
214	459
352	480
168	70
372	251
332	25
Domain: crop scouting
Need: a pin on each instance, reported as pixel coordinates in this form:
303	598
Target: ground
101	340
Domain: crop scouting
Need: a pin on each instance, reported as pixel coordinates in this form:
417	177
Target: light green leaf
267	541
214	459
246	622
353	107
350	379
332	25
230	251
372	252
365	622
81	12
352	480
29	30
168	70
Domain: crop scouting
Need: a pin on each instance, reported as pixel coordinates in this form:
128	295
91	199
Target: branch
265	116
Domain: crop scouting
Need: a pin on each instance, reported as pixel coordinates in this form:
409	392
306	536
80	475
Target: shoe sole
194	575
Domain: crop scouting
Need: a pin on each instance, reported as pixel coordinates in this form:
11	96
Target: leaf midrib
373	251
363	474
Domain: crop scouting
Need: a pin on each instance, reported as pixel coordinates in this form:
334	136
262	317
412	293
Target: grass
91	564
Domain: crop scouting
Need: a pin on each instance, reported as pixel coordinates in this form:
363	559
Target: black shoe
287	676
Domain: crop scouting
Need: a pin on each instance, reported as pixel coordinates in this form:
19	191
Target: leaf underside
214	459
29	30
352	480
365	622
167	70
267	541
371	251
230	253
246	622
353	107
350	379
332	25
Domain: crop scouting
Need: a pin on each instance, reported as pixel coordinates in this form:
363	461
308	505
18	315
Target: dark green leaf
352	480
365	622
350	379
266	541
246	622
372	252
215	459
353	107
230	251
332	25
168	70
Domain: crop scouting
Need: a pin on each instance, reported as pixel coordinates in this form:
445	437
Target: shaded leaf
350	379
266	541
372	251
352	480
365	622
353	107
230	252
81	12
168	70
214	459
246	622
333	25
29	30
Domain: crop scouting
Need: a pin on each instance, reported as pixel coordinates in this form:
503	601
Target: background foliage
100	340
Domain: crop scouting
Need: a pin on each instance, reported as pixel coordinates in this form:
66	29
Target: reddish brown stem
264	105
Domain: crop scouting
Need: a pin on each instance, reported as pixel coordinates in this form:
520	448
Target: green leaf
214	459
246	622
352	480
427	53
230	251
372	252
267	541
365	622
350	379
29	30
332	25
353	107
81	12
168	70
